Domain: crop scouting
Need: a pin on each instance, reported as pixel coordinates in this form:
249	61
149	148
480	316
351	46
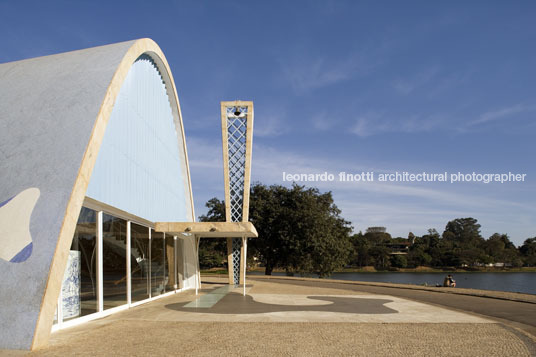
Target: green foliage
361	256
380	256
213	252
418	257
463	230
216	211
399	261
300	229
528	252
460	245
378	237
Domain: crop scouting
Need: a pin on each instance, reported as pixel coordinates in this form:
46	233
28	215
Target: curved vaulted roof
54	112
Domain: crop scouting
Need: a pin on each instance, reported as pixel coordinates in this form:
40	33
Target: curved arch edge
59	260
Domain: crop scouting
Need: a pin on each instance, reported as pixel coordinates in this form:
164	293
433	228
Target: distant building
398	248
376	230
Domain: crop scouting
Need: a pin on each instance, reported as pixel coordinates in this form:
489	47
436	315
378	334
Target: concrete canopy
54	111
209	229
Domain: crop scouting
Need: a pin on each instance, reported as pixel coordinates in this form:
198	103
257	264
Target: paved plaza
282	317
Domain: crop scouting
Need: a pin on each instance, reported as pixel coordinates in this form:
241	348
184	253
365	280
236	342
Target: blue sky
338	86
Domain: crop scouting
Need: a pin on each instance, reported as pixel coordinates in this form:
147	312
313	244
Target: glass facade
156	265
139	262
82	268
169	274
179	266
114	261
85	245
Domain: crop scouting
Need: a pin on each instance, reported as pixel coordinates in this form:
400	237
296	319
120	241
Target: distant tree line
460	245
301	231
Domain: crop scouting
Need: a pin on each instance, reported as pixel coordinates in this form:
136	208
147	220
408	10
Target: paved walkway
516	310
292	317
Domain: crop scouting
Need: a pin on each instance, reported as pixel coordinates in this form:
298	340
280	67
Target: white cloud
374	124
501	113
305	74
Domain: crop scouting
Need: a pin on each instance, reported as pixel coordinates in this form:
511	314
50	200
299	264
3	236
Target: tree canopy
300	229
461	244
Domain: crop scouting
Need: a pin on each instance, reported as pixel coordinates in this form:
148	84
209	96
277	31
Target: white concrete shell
54	112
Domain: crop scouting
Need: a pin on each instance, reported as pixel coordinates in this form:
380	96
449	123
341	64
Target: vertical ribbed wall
141	165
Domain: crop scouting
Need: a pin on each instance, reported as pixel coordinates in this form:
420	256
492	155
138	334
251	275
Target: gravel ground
150	329
140	338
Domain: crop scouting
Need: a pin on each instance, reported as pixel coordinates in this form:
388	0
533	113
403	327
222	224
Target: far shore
420	269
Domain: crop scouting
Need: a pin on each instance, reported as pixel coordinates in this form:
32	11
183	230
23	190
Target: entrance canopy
200	230
209	229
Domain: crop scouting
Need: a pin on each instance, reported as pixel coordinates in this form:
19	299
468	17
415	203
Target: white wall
190	262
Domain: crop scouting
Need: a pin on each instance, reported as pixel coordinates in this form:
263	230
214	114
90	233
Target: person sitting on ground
446	282
452	282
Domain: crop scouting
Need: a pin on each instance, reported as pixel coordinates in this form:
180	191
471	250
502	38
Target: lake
514	282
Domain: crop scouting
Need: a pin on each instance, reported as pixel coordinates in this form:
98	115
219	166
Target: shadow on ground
234	303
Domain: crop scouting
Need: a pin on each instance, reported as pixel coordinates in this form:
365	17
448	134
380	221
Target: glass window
79	287
114	262
169	275
158	263
139	262
179	266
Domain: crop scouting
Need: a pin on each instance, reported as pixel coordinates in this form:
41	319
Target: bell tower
237	135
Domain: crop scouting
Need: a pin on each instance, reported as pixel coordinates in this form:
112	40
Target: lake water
514	282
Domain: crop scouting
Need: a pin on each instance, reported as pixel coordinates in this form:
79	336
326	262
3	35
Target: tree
464	231
467	244
432	238
417	256
501	249
300	229
399	261
411	238
528	251
375	236
380	255
216	211
213	252
361	256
